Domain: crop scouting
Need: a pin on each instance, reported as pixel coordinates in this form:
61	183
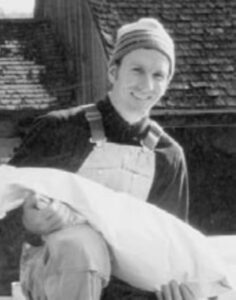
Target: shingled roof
204	33
32	67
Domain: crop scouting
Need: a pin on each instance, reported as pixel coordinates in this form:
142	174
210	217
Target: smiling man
115	143
138	83
140	68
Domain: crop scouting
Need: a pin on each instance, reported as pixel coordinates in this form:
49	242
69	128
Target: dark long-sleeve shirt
61	140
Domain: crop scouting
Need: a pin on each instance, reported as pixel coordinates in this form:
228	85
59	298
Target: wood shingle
32	70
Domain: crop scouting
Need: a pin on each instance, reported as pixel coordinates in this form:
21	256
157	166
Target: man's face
139	82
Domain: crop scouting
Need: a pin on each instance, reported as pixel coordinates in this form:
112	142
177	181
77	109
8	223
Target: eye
158	76
137	70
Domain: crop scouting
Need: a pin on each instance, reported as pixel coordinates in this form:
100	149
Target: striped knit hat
145	33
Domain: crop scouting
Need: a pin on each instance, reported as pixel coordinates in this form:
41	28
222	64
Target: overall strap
98	137
153	136
94	119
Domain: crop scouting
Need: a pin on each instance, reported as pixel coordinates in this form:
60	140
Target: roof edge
189	111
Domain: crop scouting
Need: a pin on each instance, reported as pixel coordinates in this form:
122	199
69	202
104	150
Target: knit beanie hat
146	33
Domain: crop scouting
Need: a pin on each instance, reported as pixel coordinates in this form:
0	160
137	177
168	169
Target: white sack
149	246
225	246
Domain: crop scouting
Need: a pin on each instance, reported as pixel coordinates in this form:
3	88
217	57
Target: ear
113	73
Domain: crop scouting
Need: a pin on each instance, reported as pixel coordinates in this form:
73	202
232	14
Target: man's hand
12	198
174	291
43	217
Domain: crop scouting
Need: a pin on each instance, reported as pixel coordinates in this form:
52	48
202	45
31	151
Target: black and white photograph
117	150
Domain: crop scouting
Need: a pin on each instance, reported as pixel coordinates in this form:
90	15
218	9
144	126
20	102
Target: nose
147	83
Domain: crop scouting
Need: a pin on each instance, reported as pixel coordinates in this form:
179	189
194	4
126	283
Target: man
117	144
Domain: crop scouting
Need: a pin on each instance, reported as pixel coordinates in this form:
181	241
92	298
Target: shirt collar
117	127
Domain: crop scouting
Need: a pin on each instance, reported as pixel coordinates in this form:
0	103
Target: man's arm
42	215
37	145
170	190
176	194
40	143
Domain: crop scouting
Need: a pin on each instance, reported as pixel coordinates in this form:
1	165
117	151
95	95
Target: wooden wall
74	24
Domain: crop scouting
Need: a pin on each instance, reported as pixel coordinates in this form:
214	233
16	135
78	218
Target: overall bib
123	168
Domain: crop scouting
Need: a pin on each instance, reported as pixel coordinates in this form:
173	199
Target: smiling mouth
144	99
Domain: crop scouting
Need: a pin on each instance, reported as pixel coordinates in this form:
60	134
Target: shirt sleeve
38	144
35	147
170	190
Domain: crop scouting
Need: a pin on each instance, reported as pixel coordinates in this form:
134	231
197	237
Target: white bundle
150	247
